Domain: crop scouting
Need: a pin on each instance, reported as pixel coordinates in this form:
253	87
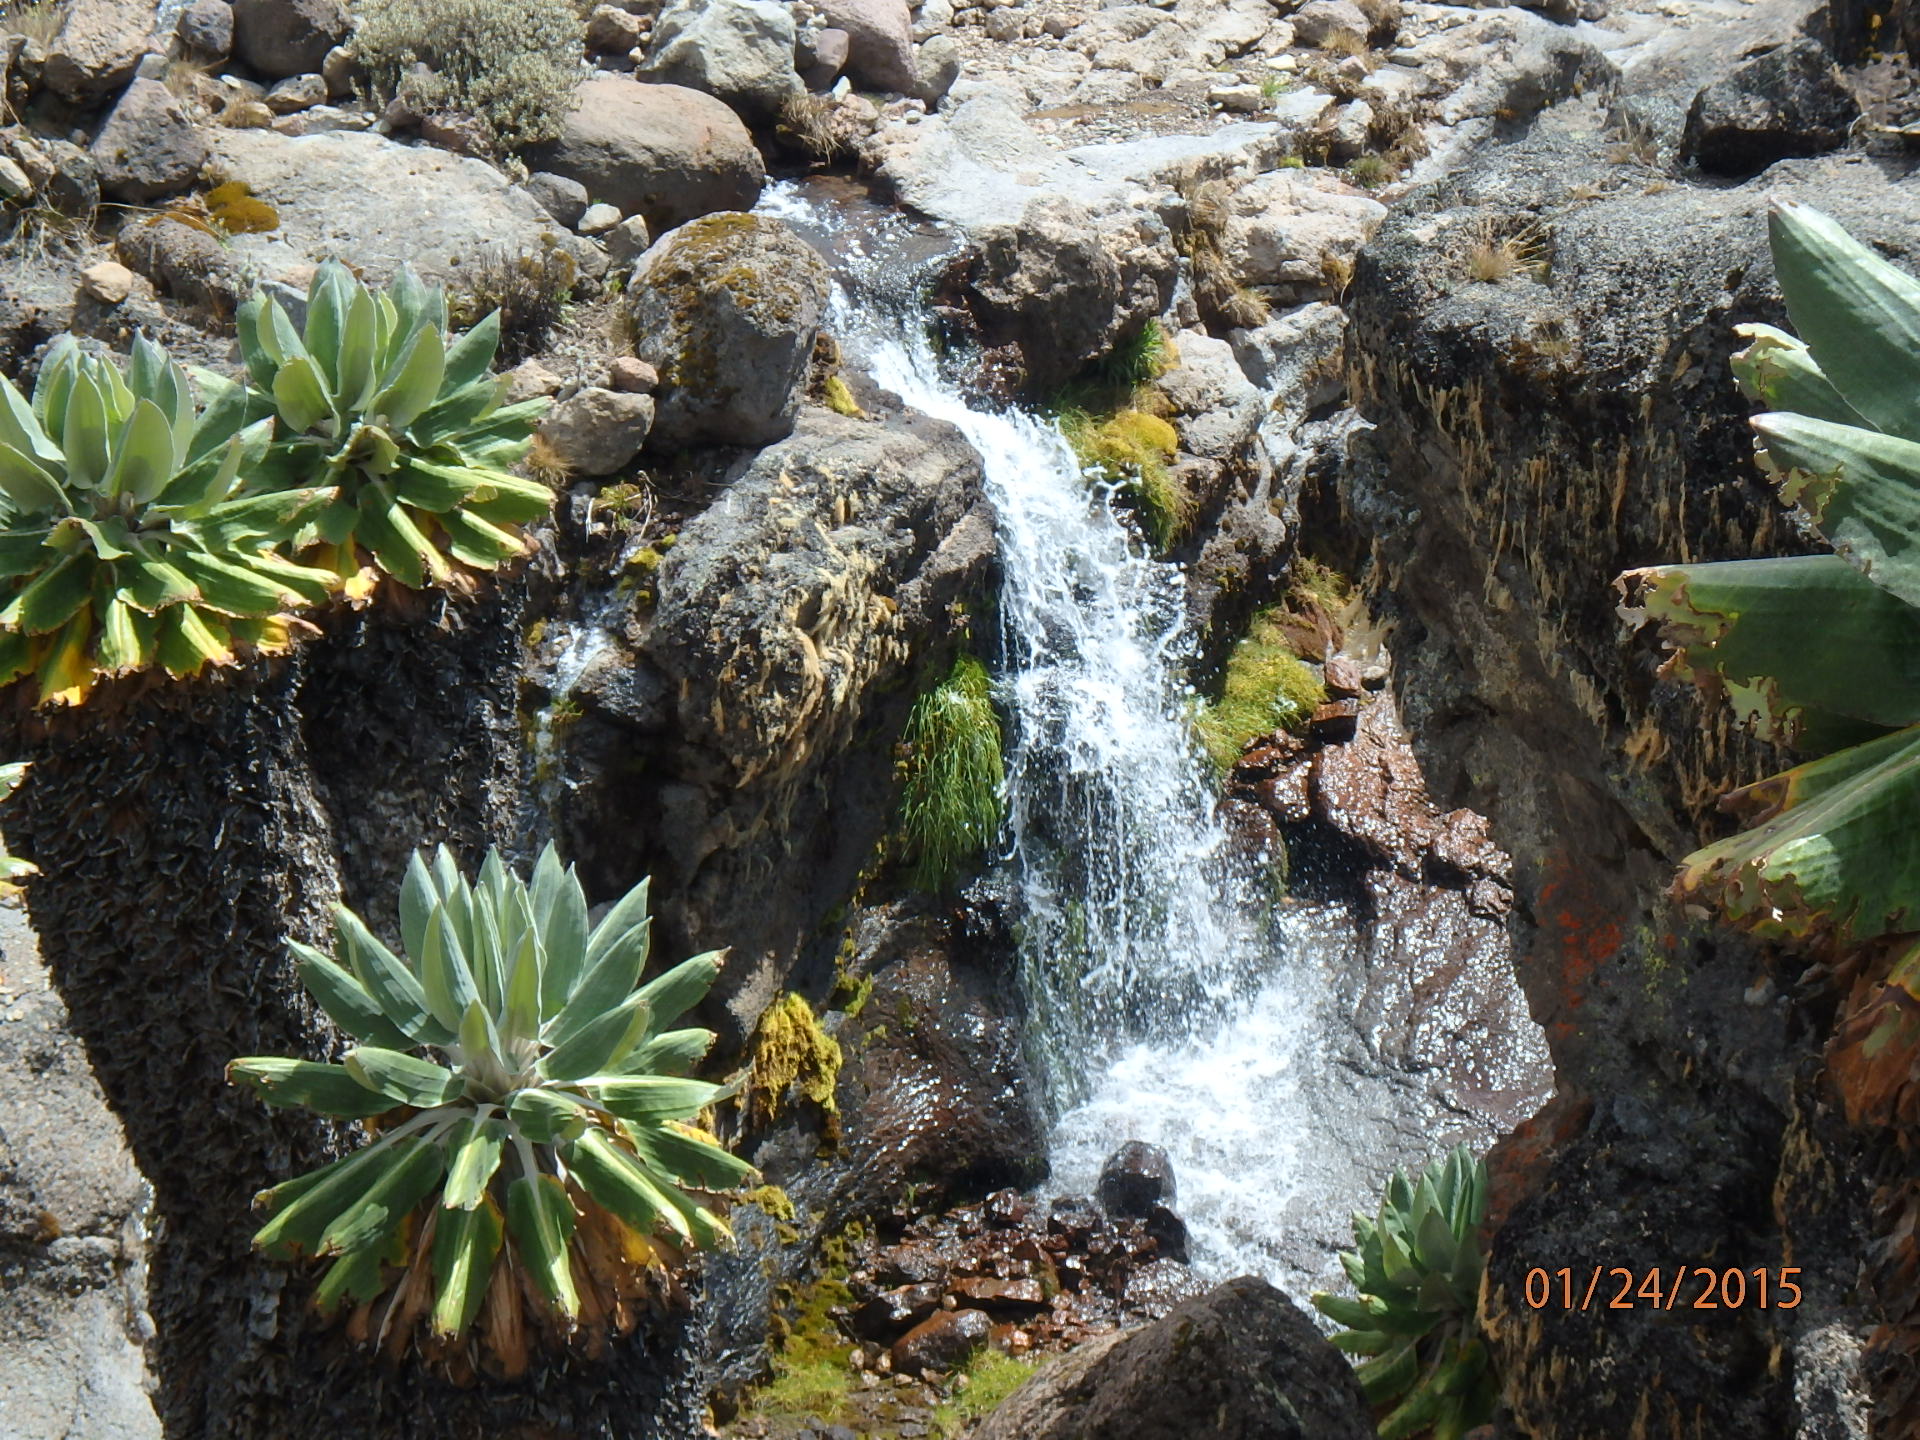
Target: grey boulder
596	431
1787	104
97	48
740	51
148	148
288	37
879	41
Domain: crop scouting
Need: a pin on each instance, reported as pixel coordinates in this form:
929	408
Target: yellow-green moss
1266	687
1133	447
991	1378
811	1376
792	1056
772	1199
840	399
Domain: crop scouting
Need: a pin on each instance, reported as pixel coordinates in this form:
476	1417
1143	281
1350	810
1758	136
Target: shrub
531	1148
951	810
1266	688
529	292
1417	1268
512	66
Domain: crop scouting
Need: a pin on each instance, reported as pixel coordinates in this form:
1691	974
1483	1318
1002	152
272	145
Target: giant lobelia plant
1822	652
375	398
136	528
532	1168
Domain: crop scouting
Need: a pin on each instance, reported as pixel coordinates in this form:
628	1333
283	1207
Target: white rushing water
1168	1000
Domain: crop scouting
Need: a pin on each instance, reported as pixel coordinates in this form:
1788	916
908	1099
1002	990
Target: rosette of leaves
1822	652
532	1168
376	398
1417	1267
135	528
12	867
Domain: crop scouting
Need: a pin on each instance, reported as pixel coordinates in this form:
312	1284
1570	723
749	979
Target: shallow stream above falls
1286	1056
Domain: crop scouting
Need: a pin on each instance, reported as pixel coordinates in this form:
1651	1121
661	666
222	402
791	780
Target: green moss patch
1132	448
793	1058
991	1378
1266	688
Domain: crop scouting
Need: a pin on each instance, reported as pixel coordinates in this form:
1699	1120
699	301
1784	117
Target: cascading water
1169	999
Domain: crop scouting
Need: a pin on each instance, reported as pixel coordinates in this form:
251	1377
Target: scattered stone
945	1341
1135	1177
627	241
279	38
97	48
1291	228
109	282
14	182
614	31
728	308
1325	24
1785	104
1342	676
1239	99
457	131
1168	1230
596	431
296	92
1335	719
185	263
661	151
633	375
148	148
1020	1296
565	200
62	172
937	60
247	115
893	1311
822	57
530	379
741	51
340	69
879	40
598	219
206	28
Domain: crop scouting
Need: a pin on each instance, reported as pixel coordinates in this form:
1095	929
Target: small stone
596	431
109	282
339	69
1134	1178
151	67
1239	99
613	31
206	27
565	200
598	219
944	1342
322	120
633	375
462	134
14	181
297	92
1335	720
1325	23
1343	676
247	115
627	241
825	58
1169	1230
529	380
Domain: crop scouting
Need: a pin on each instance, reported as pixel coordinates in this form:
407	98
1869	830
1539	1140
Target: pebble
599	219
108	282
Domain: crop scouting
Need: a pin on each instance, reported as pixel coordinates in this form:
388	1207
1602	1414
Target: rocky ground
1448	293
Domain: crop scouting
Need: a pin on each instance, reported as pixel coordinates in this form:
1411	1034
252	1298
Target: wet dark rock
1134	1179
1073	1217
1002	1298
1787	103
1168	1230
892	1311
944	1342
1238	1363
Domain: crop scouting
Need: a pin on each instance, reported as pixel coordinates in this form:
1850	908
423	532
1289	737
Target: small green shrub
951	810
529	291
1266	688
1417	1269
513	66
1370	171
1142	356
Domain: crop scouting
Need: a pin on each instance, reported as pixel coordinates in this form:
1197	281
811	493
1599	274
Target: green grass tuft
1133	448
991	1378
1145	355
951	810
1267	687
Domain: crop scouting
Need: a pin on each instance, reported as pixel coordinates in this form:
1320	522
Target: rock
322	120
1065	287
1789	102
72	1216
937	61
879	40
598	219
1218	408
188	264
71	183
627	241
279	38
1168	1230
633	375
247	115
946	1341
297	92
892	1311
1346	131
741	51
727	307
529	379
1134	1179
1240	99
340	70
206	28
1238	1363
97	48
664	152
1326	24
458	132
108	282
614	31
565	200
1293	228
1507	64
148	148
598	432
336	194
15	184
822	57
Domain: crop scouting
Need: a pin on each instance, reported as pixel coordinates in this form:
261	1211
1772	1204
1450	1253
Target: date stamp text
1684	1287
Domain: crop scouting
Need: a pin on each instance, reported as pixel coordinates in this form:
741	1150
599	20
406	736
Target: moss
1132	447
840	399
1321	584
1266	687
850	996
792	1056
991	1378
772	1199
536	633
811	1376
950	810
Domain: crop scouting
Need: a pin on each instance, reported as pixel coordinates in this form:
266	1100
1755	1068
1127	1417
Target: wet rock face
1136	1178
1238	1363
1788	103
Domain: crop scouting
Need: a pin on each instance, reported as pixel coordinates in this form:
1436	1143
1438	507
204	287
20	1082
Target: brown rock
1342	676
148	147
108	282
890	1312
1335	720
97	48
944	1342
632	374
879	40
1002	1297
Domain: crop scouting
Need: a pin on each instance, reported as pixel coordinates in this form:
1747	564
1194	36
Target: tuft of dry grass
1492	258
808	123
38	20
1202	239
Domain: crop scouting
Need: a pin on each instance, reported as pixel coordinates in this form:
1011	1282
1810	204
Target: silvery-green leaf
406	1079
474	1150
415	383
301	394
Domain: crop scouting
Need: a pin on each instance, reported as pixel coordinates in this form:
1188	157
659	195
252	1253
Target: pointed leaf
474	1150
407	1079
540	1219
308	1084
466	1242
346	1000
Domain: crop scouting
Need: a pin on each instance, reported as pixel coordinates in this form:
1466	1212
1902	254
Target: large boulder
1788	103
97	48
727	308
1293	228
664	152
280	38
879	41
740	51
378	205
1238	1363
148	148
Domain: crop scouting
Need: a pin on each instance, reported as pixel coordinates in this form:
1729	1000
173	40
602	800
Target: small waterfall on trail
1169	999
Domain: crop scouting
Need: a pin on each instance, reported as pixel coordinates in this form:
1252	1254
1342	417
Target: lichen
793	1058
840	399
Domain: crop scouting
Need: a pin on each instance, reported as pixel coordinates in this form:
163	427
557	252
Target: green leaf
145	459
617	1182
540	1219
631	910
20	427
1859	315
127	639
680	989
52	598
191	641
416	382
444	975
418	901
471	356
383	1206
346	1000
643	1099
1778	371
233	589
674	1053
479	543
597	1045
327	298
1359	1314
85	436
560	910
474	1151
302	1208
257	347
357	1278
274	516
466	1242
546	1116
688	1161
308	1084
29	486
607	983
1385	1378
301	395
388	980
152	584
1861	488
406	1079
359	344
